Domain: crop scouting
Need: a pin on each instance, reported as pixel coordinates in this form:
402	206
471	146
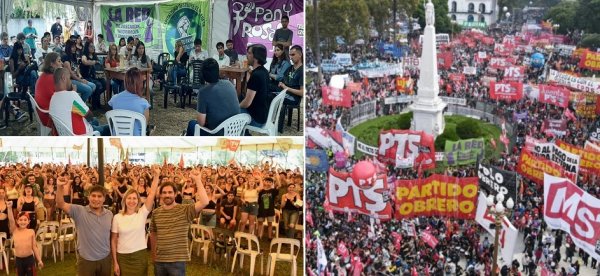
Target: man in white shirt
126	51
221	57
41	52
68	107
198	54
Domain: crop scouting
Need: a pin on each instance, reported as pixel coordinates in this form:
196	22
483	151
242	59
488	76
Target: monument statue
429	14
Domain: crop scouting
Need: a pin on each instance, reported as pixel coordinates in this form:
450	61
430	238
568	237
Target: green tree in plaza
588	16
381	13
346	18
442	21
563	14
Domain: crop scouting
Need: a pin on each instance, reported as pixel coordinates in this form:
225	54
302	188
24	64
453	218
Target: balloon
364	174
537	60
340	159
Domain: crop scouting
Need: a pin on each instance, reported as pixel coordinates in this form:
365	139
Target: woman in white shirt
128	237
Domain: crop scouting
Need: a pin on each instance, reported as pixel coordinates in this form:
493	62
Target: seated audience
255	102
70	63
5	49
112	61
221	57
45	85
231	53
293	81
181	59
43	50
24	72
89	60
198	54
139	58
217	101
101	44
279	64
131	99
127	50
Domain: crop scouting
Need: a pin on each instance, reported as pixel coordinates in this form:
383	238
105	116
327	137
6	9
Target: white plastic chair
67	234
64	130
202	236
275	224
44	130
270	127
233	126
47	236
278	255
122	122
4	256
252	250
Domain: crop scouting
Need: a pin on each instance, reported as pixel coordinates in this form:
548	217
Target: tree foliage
442	21
591	41
587	17
380	11
563	14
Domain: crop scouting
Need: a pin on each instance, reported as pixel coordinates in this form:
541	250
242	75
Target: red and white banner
336	97
590	160
554	127
508	91
590	146
345	196
429	239
508	233
577	83
530	143
571	209
554	95
407	149
445	60
456	77
469	70
342	251
502	49
499	63
514	73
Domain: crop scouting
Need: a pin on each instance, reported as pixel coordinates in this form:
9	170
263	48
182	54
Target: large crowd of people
31	65
391	248
110	217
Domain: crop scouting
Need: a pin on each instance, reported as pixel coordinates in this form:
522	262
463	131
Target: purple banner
520	116
255	22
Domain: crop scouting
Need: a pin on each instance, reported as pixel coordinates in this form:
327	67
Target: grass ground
194	267
169	122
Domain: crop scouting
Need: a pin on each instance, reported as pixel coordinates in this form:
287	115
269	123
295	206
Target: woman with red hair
131	99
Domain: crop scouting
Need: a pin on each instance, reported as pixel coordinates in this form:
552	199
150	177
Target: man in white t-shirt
126	51
221	57
197	53
68	107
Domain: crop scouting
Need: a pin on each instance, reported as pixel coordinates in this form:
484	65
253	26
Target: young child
26	250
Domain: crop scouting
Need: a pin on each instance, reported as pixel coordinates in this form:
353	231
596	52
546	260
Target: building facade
468	12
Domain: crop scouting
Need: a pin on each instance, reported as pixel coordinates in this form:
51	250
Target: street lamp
498	211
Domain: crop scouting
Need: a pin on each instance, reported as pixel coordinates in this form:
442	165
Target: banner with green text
129	20
185	21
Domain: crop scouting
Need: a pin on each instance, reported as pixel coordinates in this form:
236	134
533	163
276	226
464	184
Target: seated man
71	109
197	53
221	57
255	102
231	53
293	81
217	101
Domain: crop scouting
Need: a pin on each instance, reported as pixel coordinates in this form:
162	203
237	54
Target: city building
473	13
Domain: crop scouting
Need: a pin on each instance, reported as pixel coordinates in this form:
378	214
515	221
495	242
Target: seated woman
45	85
70	62
279	65
23	71
131	99
181	59
89	59
139	58
112	61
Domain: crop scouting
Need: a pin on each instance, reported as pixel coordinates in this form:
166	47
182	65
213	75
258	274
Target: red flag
342	250
336	97
181	163
309	219
429	239
569	114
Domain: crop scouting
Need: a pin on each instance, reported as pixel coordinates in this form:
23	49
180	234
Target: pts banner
437	195
407	149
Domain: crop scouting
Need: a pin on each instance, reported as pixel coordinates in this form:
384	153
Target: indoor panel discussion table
119	74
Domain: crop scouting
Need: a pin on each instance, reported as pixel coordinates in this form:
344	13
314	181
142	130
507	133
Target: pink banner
508	91
554	95
336	97
514	73
429	239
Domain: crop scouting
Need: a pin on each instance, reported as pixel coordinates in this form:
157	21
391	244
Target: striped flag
78	108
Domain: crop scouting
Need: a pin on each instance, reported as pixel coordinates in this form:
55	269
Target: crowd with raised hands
111	216
360	245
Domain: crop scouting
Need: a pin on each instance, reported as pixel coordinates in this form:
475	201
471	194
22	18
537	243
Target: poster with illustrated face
185	21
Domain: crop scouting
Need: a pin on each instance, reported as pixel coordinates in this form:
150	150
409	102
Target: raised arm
11	218
201	196
155	180
60	200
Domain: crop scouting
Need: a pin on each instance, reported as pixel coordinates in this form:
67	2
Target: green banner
185	21
129	20
463	152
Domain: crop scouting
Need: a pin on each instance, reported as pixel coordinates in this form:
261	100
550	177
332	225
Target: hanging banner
407	148
514	73
530	143
495	180
317	160
574	82
554	95
255	22
508	91
129	20
587	107
571	209
436	196
184	21
508	233
345	196
590	60
533	167
336	97
589	161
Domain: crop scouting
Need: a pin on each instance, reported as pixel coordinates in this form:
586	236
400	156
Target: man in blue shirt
5	49
30	36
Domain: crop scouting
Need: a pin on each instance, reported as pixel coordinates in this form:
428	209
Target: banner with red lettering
344	195
429	239
554	95
445	60
508	233
508	91
555	127
514	73
571	209
530	143
456	77
586	108
402	84
336	97
590	160
502	49
590	60
533	167
437	196
407	149
499	63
